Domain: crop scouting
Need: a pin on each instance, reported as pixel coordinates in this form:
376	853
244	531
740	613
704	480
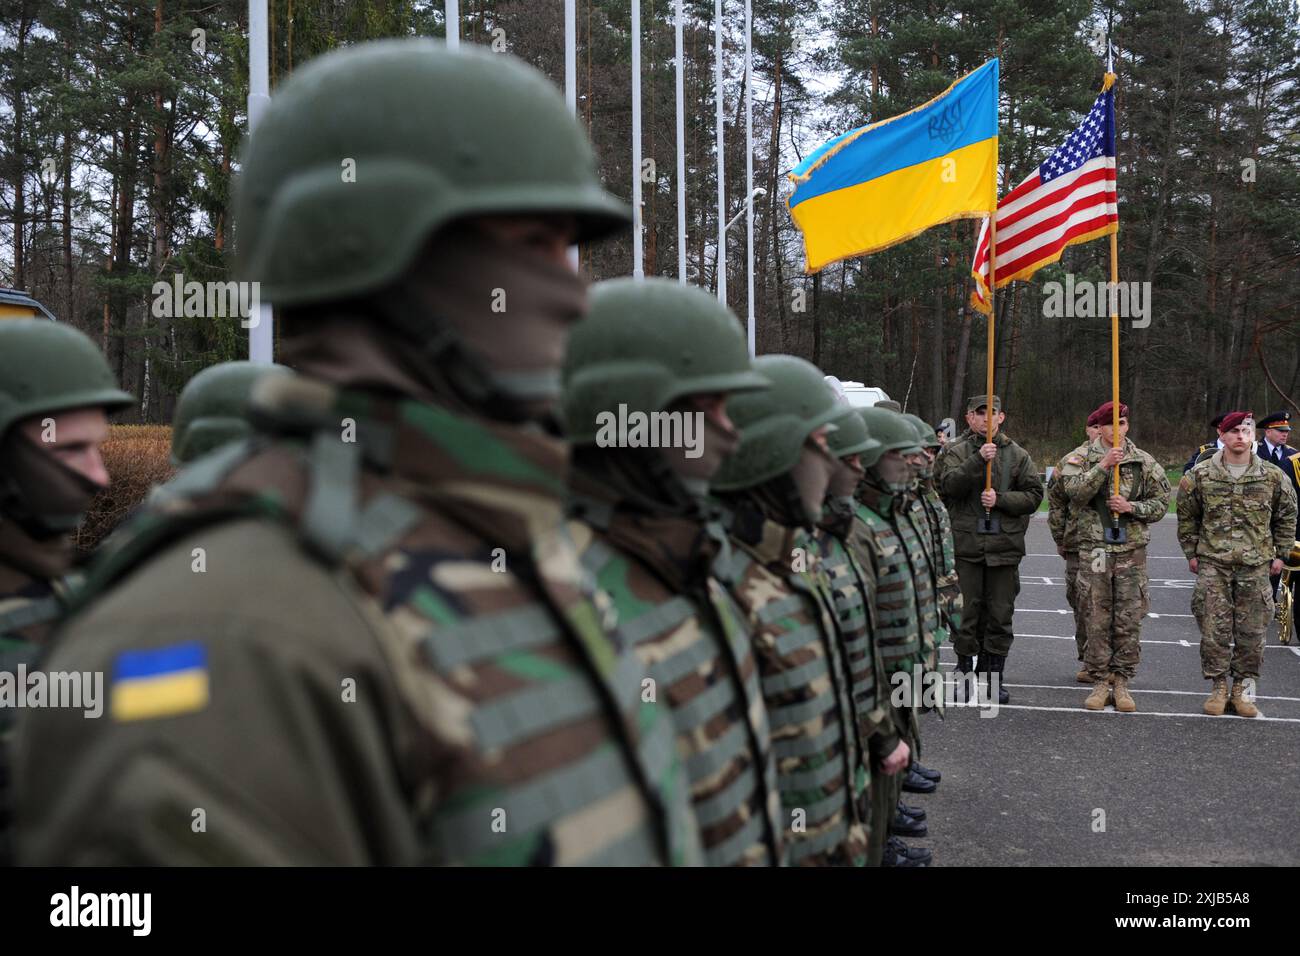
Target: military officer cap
977	402
1217	420
890	404
1279	420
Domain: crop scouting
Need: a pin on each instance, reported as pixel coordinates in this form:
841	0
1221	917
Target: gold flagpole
993	311
1116	438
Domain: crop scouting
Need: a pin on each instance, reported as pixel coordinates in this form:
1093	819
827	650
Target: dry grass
137	459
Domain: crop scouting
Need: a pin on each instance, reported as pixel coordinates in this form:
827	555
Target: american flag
1070	198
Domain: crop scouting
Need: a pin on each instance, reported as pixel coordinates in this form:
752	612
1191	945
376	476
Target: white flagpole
638	258
453	24
571	77
749	172
681	147
261	339
722	184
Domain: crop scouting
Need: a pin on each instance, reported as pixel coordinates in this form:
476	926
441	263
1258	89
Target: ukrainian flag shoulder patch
161	682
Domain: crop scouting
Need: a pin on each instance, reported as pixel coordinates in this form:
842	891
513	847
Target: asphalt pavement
1046	783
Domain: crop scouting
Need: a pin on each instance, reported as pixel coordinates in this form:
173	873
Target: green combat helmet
891	429
924	432
348	174
645	344
212	407
850	436
775	423
48	367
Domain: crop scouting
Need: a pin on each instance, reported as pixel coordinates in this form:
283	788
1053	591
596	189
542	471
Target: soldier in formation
1112	528
56	392
449	688
647	534
1236	522
989	527
1276	429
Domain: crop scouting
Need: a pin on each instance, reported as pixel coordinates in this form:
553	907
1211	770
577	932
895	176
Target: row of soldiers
414	602
1237	521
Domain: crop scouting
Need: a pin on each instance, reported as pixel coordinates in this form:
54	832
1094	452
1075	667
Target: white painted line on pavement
1137	691
1160	584
1149	713
1070	637
1053	610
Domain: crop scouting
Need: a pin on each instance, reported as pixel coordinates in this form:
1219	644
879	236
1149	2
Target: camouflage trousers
988	601
1112	595
1233	606
1072	598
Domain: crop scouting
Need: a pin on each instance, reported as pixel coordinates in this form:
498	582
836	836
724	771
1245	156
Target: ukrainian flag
876	186
159	683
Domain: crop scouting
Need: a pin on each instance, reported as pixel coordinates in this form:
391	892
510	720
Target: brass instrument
1283	611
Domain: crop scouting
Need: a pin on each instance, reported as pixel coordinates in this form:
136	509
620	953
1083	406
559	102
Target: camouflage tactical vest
944	559
898	631
820	772
451	528
852	587
695	646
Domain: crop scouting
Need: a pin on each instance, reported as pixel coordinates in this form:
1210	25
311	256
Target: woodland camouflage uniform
443	685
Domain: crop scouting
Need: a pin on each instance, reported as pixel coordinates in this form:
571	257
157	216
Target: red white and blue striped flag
1070	198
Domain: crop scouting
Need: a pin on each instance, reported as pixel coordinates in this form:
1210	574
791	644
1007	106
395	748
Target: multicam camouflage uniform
1233	527
1063	523
1112	578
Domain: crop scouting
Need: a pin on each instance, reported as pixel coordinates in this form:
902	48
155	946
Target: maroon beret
1102	416
1233	419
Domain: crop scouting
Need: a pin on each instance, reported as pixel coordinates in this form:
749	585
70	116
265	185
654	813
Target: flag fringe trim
884	122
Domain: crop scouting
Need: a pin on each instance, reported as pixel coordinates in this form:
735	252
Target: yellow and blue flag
159	683
878	185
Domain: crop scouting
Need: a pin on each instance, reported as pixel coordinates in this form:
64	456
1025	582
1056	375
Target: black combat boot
915	812
915	783
903	825
926	772
898	853
991	664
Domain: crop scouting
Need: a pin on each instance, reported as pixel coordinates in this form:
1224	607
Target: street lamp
760	191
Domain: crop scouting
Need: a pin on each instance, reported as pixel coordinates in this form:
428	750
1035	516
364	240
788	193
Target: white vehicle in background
857	394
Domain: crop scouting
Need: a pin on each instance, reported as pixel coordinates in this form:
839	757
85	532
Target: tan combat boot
1123	699
1243	707
1218	699
1083	677
1099	696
